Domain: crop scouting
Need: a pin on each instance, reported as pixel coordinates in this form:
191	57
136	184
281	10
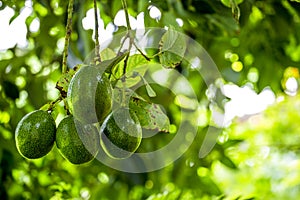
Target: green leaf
233	4
228	162
142	5
150	115
135	61
172	48
149	89
229	3
231	143
170	19
210	186
136	64
110	65
64	81
107	54
10	3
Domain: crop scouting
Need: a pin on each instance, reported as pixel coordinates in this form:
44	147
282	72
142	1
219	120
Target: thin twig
123	42
67	36
128	35
125	64
97	44
126	14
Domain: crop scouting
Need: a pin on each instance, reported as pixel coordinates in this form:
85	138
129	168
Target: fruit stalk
54	103
124	4
97	45
67	36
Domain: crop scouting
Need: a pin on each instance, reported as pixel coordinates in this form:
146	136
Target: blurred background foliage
254	43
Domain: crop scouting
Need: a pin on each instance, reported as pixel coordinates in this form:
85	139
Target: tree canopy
255	46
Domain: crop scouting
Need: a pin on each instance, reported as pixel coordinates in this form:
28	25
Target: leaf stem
126	14
128	35
67	36
125	62
140	51
97	44
131	40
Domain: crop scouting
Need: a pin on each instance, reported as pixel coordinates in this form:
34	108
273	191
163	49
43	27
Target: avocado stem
67	36
124	4
53	103
97	44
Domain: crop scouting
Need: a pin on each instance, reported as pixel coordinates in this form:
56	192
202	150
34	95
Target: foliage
269	152
251	41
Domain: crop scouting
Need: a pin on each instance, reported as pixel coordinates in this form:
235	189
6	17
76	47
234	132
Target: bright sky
14	33
243	100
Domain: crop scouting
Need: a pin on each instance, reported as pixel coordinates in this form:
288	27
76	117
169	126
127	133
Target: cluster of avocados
91	124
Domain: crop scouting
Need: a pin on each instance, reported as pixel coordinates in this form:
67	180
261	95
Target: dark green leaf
10	90
228	162
211	186
231	143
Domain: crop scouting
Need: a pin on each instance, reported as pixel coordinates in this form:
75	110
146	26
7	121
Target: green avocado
90	95
78	143
121	134
35	134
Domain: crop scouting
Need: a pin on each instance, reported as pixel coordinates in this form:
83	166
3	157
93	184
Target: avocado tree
127	99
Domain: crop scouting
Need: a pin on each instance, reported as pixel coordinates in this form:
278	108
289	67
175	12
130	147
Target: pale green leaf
64	81
136	64
229	3
150	91
150	115
172	48
107	54
109	65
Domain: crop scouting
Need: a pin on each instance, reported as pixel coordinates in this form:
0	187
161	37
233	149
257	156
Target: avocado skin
77	143
35	134
120	140
90	95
